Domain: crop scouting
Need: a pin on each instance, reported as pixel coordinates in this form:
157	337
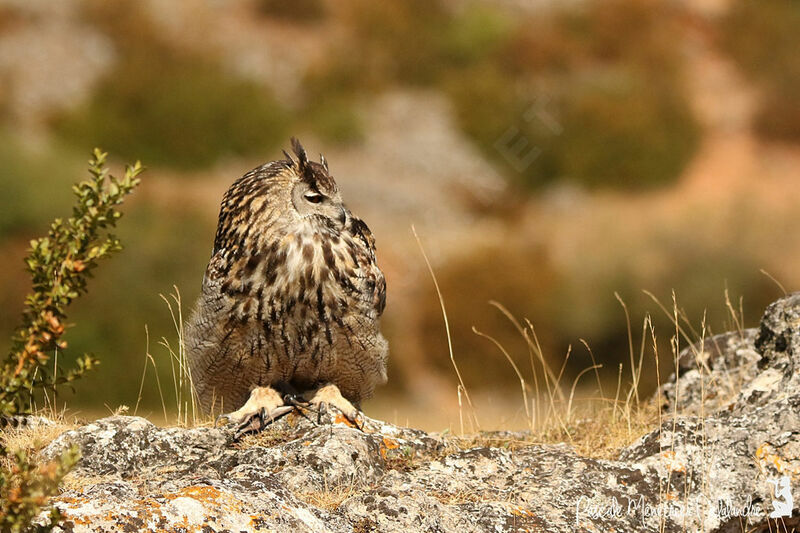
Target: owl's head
293	196
314	193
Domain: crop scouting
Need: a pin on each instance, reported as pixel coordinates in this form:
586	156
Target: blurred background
548	153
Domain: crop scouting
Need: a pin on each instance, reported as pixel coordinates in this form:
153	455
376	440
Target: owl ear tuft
300	152
289	158
324	162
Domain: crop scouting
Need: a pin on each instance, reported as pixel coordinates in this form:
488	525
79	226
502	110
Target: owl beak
342	216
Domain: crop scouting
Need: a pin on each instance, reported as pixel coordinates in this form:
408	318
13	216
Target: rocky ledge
726	457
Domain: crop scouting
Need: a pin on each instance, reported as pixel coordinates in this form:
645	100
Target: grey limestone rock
726	456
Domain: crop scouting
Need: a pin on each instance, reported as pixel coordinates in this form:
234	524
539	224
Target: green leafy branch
60	265
26	488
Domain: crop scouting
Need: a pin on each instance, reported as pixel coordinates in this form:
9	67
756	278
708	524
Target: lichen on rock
730	432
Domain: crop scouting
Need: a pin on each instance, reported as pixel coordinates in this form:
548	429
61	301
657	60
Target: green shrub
60	265
177	110
396	40
105	326
26	488
407	42
413	43
168	105
618	129
102	324
337	121
590	96
472	35
604	75
762	38
623	130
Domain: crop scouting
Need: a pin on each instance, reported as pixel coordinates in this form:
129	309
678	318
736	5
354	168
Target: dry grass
328	498
32	439
601	424
597	426
187	411
270	436
599	434
462	389
80	482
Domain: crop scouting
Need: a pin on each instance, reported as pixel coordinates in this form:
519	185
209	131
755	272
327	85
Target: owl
291	299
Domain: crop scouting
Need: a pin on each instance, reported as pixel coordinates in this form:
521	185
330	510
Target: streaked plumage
292	293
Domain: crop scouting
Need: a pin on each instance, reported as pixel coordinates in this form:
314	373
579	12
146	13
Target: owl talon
295	400
330	395
358	421
322	408
251	424
301	406
262	407
356	418
259	420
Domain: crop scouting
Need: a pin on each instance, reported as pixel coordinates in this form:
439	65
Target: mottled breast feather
289	295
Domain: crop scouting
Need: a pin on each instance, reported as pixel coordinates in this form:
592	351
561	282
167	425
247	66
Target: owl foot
264	405
331	395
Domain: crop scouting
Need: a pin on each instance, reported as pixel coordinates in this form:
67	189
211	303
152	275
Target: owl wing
216	271
374	282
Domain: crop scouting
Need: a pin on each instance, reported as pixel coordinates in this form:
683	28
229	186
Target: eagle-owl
291	298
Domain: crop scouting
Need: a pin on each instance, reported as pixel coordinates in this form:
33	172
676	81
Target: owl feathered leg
329	394
264	405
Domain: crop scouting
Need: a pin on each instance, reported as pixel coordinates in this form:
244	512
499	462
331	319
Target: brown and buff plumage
292	296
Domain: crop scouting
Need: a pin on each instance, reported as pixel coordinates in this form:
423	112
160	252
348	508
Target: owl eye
313	197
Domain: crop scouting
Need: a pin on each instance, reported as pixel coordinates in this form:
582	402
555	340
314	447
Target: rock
125	446
714	466
711	373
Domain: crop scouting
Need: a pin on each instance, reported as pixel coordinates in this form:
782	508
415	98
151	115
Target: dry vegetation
595	426
599	435
479	51
32	438
599	428
271	436
327	498
596	410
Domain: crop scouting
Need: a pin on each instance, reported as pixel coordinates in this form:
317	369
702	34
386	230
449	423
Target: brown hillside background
549	154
